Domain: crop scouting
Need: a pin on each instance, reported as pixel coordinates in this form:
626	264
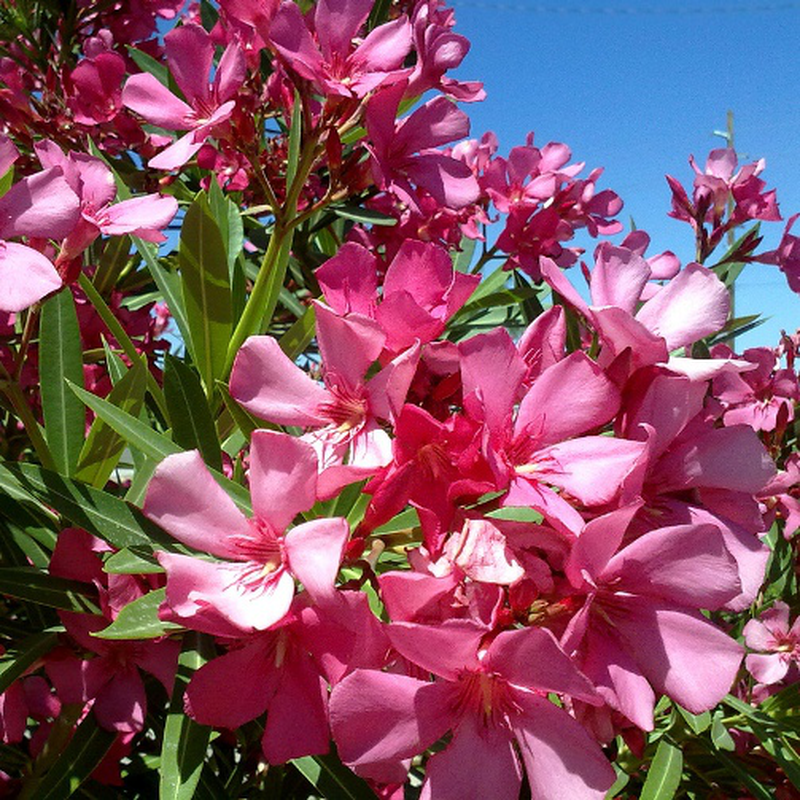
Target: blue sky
636	88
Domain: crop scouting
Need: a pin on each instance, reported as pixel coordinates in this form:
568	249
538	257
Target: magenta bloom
41	206
190	53
344	414
490	695
332	62
404	152
93	183
639	631
111	678
421	290
252	589
777	645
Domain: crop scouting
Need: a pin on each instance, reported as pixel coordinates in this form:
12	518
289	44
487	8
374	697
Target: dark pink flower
404	153
333	63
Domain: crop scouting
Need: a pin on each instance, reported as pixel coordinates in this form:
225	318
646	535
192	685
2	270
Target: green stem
12	391
31	319
264	297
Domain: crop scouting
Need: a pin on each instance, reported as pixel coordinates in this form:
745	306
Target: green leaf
242	418
229	220
147	63
104	446
86	749
6	181
189	414
778	746
152	443
98	512
664	773
139	619
755	787
115	365
489	285
60	357
784	707
295	137
168	284
697	722
115	257
17	660
619	784
121	335
299	336
206	290
134	431
332	779
462	258
516	514
185	742
29	583
720	736
132	561
364	216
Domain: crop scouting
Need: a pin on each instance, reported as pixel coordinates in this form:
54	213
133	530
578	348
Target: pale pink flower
777	645
252	588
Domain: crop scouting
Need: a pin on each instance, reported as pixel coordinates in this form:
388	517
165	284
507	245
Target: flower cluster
408	505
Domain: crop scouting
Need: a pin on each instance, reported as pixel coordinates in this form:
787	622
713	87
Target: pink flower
332	62
97	88
438	50
759	397
110	680
492	695
639	631
778	645
252	589
41	206
421	291
343	415
786	255
93	183
404	152
190	53
275	673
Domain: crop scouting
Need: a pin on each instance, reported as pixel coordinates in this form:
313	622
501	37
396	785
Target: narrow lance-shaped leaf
189	414
98	512
86	749
152	443
116	254
300	334
28	583
104	446
168	284
664	773
61	357
229	220
185	742
332	779
16	661
206	290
